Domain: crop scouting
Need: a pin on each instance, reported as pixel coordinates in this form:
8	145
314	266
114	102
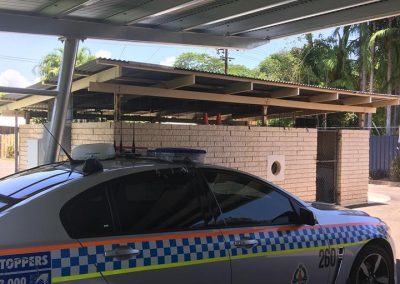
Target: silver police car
146	220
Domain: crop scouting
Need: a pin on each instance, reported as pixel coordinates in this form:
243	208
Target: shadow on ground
365	205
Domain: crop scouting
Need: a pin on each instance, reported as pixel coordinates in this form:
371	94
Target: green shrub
395	169
10	152
378	174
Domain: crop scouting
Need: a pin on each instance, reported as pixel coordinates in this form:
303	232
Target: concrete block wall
353	167
241	147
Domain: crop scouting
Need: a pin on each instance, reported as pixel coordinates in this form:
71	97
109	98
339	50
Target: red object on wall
205	118
219	119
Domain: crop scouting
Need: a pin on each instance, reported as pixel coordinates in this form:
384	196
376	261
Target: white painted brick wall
241	147
353	167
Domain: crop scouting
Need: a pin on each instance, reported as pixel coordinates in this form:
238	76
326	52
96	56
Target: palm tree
387	42
49	66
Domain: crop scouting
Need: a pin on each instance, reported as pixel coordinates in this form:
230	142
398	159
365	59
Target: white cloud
169	61
103	53
13	78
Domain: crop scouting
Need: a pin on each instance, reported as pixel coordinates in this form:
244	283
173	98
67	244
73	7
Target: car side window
88	214
246	201
157	201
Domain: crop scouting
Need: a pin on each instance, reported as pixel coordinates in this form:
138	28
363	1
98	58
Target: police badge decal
300	276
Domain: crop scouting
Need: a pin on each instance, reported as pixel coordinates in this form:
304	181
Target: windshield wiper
8	200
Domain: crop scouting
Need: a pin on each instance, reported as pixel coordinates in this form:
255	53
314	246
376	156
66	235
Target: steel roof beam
290	14
360	14
153	9
63	7
83	29
222	13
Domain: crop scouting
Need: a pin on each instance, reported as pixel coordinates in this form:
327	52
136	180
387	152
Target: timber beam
383	103
357	101
285	93
186	80
239	87
324	98
215	97
109	74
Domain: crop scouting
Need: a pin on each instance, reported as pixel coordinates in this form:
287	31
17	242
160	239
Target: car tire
373	263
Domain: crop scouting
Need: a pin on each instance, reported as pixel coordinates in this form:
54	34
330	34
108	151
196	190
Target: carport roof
221	23
155	90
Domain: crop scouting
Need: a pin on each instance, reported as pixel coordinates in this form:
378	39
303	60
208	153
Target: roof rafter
285	93
151	8
215	97
357	101
186	80
324	98
222	13
292	14
102	76
374	11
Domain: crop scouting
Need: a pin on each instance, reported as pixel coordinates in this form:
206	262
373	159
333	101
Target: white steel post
62	100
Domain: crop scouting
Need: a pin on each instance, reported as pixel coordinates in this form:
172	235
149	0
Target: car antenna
133	139
120	141
72	161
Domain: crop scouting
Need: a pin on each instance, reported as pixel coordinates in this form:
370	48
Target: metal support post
62	100
264	121
361	120
16	152
324	121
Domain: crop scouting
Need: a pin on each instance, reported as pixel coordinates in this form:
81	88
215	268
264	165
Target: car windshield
24	184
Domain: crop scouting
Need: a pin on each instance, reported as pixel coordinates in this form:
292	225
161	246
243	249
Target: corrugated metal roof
91	67
224	23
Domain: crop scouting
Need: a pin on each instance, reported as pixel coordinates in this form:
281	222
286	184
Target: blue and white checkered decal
158	253
69	262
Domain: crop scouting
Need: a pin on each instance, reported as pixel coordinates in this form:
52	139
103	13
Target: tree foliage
207	63
358	57
50	64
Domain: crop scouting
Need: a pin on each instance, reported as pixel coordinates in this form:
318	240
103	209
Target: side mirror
306	217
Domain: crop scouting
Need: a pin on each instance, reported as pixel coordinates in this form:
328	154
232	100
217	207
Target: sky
20	54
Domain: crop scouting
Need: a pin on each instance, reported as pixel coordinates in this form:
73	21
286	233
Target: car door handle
122	252
245	243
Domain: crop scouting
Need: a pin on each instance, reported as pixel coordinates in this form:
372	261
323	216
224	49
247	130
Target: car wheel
373	265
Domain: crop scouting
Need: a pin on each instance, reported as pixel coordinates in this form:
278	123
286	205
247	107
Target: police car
110	219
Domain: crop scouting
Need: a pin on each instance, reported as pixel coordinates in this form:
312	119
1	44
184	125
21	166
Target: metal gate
327	144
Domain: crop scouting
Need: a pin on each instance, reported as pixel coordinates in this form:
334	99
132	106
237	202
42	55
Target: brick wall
353	167
240	147
27	131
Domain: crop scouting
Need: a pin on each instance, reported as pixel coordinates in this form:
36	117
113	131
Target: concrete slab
385	204
6	167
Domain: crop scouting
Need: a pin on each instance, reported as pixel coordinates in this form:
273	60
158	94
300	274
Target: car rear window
29	182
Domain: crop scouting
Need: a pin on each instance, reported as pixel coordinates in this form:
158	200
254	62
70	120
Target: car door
161	232
265	241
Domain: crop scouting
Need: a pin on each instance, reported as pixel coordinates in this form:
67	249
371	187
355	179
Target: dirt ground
388	211
6	167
